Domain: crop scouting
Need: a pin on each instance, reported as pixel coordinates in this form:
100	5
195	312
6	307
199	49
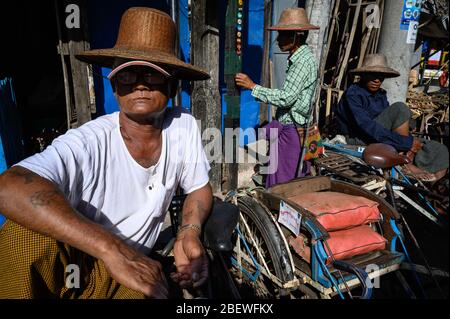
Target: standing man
293	100
96	198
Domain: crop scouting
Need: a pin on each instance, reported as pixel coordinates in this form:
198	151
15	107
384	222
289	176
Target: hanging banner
410	13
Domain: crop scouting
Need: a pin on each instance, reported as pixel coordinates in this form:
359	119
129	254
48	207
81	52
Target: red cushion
337	211
356	241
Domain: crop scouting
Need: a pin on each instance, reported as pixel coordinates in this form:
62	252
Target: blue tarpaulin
103	27
103	21
10	137
252	54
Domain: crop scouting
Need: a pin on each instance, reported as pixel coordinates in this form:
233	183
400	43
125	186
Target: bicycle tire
276	248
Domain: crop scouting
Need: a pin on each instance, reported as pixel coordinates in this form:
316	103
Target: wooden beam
266	76
328	107
76	73
63	51
232	65
205	97
324	56
349	45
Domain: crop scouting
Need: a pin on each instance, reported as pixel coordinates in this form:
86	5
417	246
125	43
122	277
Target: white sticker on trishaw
290	218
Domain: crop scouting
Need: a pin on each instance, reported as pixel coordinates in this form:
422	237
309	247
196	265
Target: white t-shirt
93	168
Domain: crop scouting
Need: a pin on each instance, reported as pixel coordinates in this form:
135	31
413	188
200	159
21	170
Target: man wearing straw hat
293	100
365	116
92	204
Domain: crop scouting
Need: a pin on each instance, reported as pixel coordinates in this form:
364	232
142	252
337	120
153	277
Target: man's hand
136	271
190	260
417	145
37	204
244	81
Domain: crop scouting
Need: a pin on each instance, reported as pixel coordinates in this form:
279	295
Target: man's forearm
197	206
39	205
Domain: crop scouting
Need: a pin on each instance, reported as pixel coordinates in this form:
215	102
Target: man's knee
402	110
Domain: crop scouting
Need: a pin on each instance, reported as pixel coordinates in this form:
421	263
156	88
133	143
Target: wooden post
266	78
349	44
205	98
77	74
233	65
328	107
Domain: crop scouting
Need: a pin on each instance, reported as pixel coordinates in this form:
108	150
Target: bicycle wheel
260	253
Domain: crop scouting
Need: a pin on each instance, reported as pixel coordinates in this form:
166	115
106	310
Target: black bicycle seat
220	225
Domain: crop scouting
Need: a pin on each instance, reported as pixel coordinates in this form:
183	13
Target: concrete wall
319	12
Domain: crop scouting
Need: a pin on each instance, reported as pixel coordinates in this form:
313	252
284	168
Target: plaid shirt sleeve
286	97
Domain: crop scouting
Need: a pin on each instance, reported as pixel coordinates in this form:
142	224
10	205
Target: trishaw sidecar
271	261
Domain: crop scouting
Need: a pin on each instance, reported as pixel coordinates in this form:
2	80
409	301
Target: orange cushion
356	241
337	211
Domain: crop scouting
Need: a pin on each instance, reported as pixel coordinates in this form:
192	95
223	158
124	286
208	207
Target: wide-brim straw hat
146	34
293	19
376	63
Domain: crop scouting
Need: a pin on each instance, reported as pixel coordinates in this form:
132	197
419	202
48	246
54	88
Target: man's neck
140	131
295	48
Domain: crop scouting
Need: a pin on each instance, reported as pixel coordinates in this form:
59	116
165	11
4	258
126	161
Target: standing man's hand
243	80
136	271
190	260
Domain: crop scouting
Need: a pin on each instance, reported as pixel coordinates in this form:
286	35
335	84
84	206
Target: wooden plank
266	76
300	186
77	72
377	38
326	50
328	104
349	45
341	92
364	44
205	97
62	50
342	46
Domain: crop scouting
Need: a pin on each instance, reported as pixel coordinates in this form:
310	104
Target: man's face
141	90
373	81
285	40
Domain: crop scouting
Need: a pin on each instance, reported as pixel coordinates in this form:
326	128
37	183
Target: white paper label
412	32
290	218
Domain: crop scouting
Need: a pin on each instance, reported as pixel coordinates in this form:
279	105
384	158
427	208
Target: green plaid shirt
294	99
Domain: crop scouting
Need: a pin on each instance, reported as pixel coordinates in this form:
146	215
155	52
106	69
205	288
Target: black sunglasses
130	76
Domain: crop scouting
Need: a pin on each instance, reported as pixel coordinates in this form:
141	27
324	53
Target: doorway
30	59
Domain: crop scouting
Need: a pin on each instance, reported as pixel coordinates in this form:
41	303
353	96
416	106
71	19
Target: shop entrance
29	57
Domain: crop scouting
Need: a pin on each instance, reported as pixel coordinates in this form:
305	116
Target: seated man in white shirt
97	197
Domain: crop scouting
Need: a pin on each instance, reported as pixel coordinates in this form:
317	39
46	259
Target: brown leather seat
383	156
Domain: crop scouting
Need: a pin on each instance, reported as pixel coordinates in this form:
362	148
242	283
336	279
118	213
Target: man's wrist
189	229
254	89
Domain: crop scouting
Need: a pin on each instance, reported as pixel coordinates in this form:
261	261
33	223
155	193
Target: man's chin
145	114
